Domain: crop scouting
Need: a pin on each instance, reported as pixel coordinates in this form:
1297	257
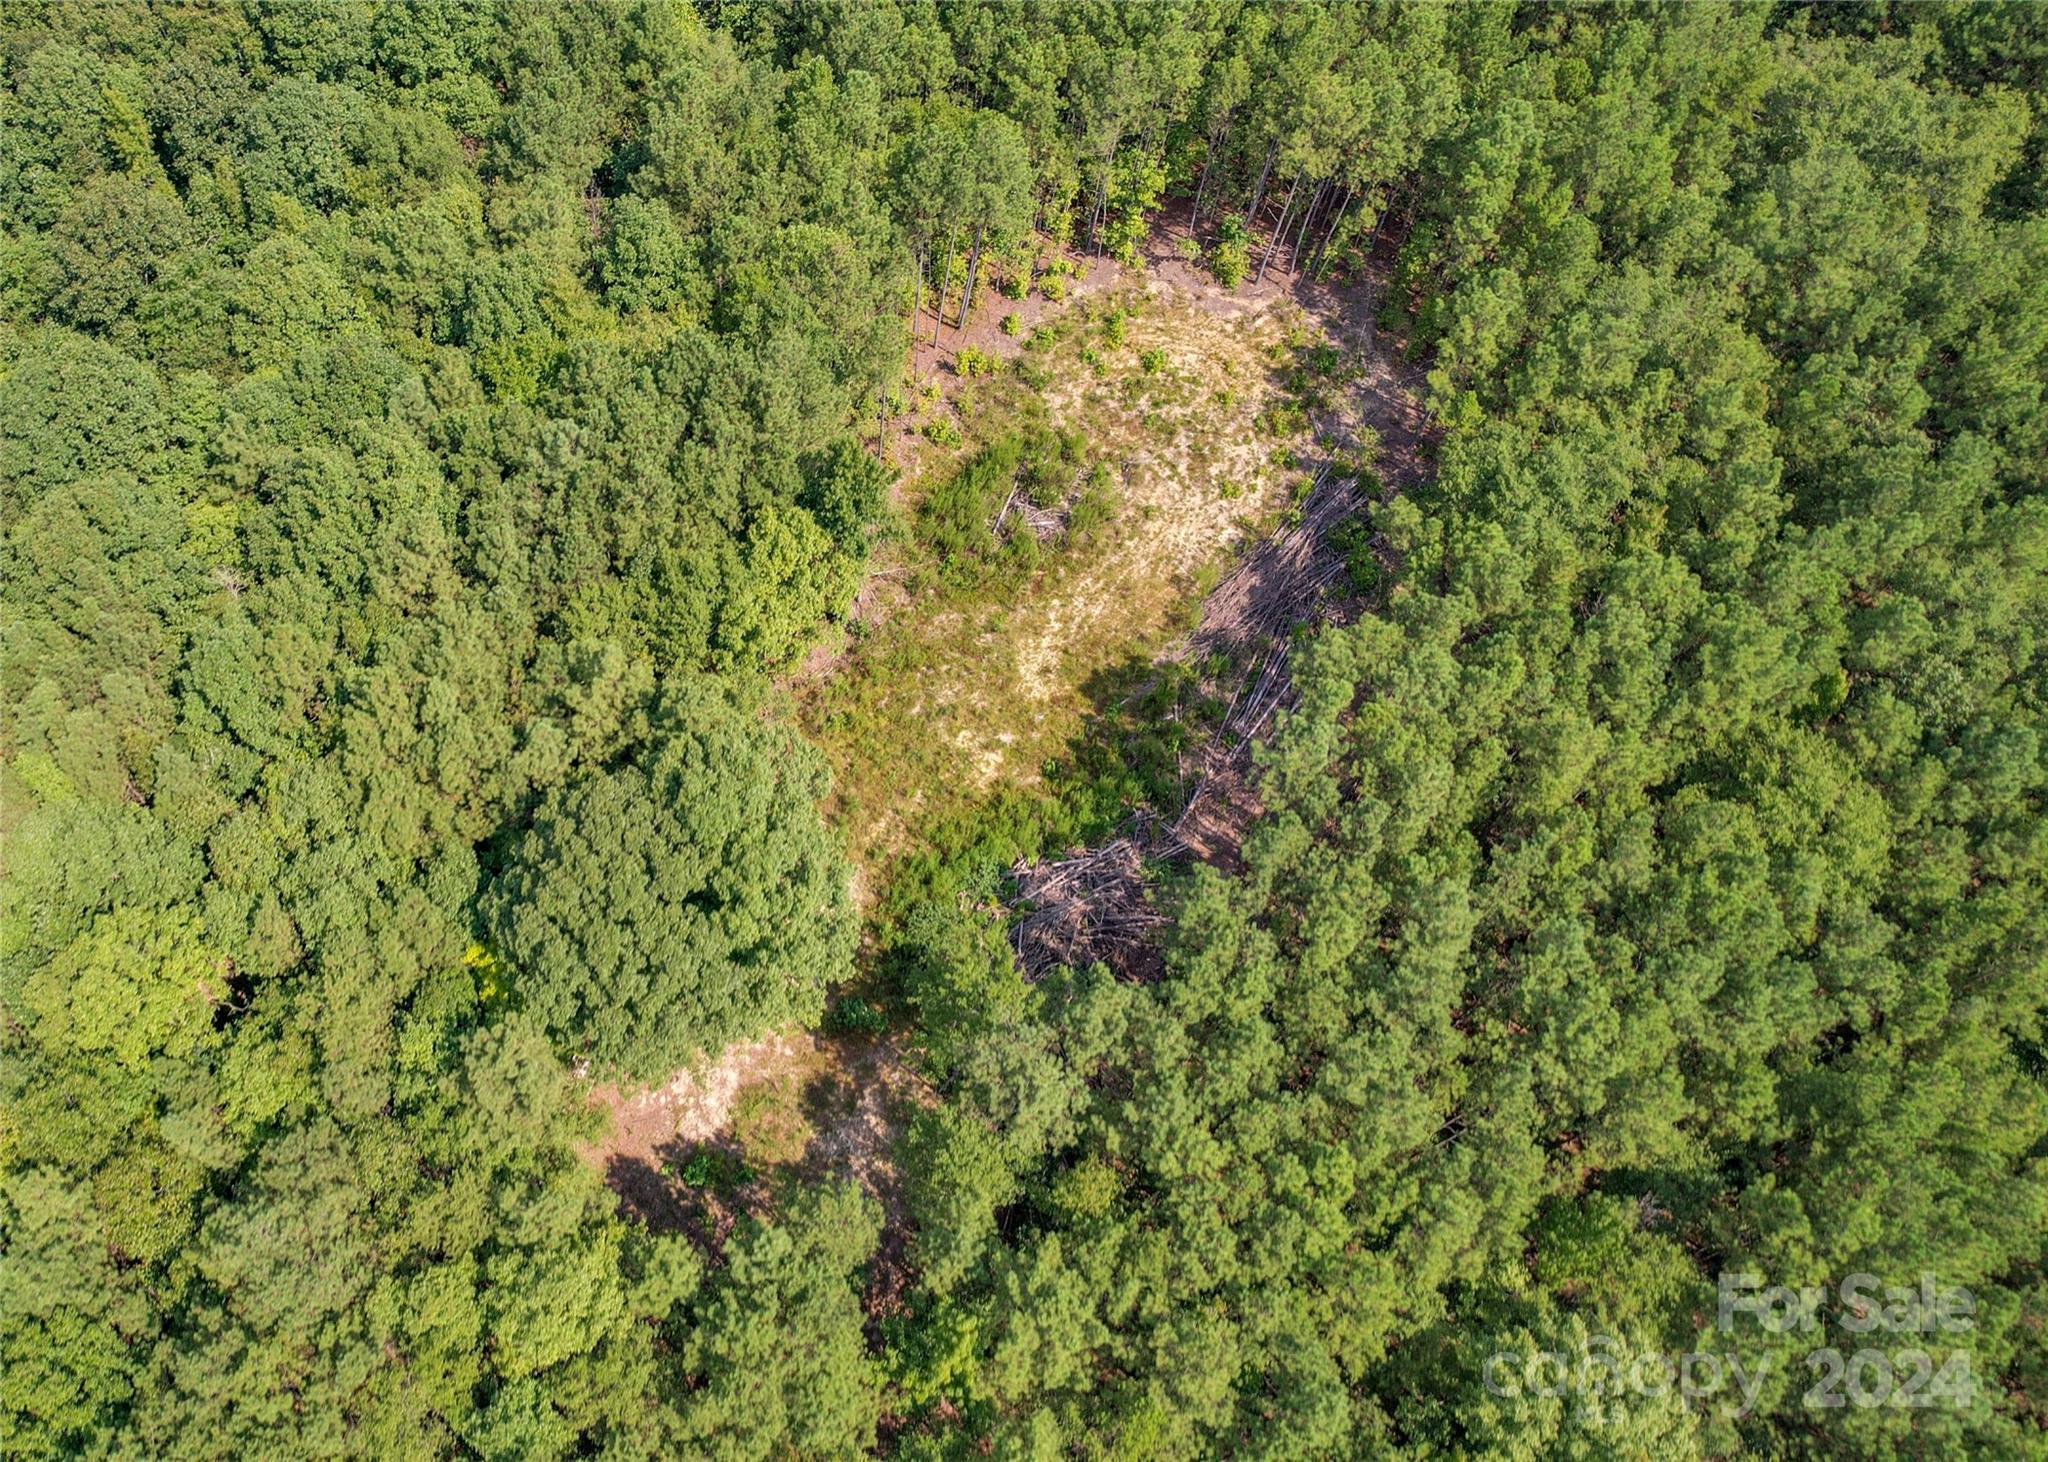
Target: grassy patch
769	1123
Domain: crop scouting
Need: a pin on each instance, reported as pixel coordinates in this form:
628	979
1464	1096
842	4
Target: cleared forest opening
1236	429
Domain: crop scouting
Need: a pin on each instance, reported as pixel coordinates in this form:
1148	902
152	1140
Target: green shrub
1113	327
1230	259
1012	323
1045	337
1353	540
943	431
1283	419
954	518
971	362
852	1016
1053	287
1020	550
1052	458
713	1168
1096	505
1152	361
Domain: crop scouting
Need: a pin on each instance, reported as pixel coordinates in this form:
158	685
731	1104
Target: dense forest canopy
427	431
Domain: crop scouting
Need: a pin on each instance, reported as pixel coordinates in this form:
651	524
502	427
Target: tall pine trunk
1323	248
1294	255
973	270
1379	223
1251	214
1274	242
1217	138
945	283
917	269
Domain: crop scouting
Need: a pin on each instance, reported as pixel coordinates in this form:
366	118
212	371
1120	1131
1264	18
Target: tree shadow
693	1188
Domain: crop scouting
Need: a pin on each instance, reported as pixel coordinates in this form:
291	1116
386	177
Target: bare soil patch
792	1103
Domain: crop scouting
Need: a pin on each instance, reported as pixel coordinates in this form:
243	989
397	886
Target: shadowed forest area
965	728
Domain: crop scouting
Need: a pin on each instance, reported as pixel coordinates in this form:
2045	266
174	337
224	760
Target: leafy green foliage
366	468
852	1015
743	1390
957	517
657	911
1230	255
1592	940
423	429
713	1167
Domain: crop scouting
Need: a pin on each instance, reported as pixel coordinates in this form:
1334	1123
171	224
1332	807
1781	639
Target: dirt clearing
954	697
709	1144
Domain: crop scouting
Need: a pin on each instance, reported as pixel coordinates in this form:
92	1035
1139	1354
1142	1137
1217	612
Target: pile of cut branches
1088	908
